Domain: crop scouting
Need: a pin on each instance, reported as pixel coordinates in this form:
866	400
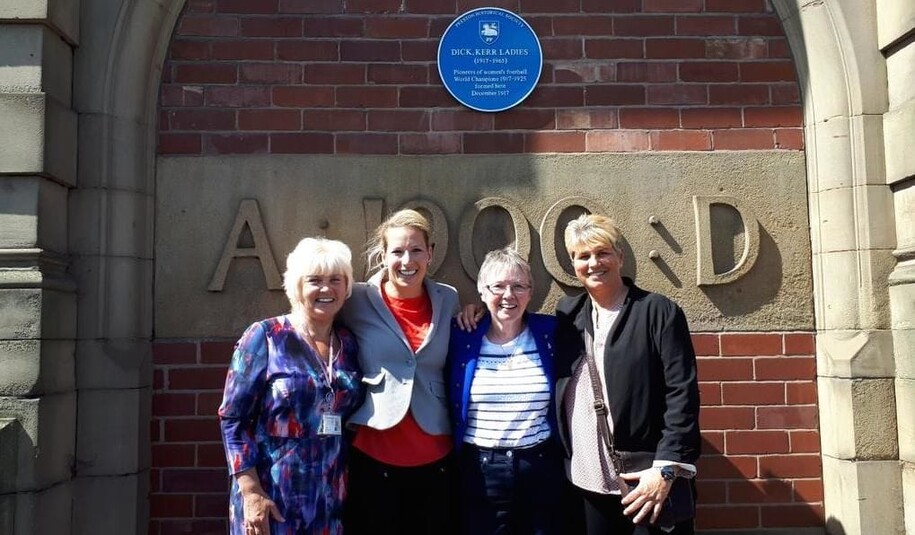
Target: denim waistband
540	448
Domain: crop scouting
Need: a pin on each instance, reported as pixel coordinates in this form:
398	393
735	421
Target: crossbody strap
600	406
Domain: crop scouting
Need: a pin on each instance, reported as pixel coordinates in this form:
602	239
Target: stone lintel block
858	420
126	507
30	213
900	70
904	204
895	18
113	435
852	288
853	354
904	342
62	15
902	298
34	59
39	137
33	313
863	497
36	367
115	297
113	364
121	220
28	513
900	138
101	168
908	495
47	439
829	164
905	411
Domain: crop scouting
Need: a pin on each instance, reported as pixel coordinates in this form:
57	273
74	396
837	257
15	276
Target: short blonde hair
316	256
496	260
591	230
376	247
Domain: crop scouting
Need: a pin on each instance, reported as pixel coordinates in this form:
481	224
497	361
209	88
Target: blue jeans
512	491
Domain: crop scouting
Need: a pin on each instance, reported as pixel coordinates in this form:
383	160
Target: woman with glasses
500	378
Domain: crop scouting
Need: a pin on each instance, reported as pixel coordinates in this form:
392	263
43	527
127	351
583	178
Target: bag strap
600	406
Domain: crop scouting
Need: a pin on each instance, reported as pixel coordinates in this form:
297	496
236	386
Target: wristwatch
669	472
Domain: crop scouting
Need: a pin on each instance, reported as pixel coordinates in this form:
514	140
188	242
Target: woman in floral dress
292	381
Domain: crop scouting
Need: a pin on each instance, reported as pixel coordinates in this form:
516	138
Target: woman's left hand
646	499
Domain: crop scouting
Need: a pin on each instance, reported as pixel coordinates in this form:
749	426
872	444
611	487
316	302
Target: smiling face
406	257
598	269
515	289
323	296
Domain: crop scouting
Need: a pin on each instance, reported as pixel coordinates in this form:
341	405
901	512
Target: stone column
37	296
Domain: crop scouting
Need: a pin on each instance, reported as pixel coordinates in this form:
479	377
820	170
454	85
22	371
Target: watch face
668	473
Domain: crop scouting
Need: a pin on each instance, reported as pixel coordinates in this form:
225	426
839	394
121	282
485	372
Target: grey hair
316	256
497	260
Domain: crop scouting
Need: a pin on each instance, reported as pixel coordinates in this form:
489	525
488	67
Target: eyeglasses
500	288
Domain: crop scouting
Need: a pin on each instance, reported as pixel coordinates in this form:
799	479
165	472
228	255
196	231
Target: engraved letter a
248	214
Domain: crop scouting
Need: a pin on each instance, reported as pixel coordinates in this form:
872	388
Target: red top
405	444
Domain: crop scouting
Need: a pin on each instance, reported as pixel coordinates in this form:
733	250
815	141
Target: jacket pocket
438	389
373	378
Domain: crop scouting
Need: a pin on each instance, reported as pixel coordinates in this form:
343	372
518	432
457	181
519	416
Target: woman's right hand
469	316
258	507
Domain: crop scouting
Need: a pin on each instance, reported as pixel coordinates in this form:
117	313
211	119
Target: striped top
509	396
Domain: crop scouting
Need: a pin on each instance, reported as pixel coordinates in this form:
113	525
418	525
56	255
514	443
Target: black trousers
604	516
382	498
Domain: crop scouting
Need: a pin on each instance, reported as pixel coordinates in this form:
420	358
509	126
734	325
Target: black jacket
650	369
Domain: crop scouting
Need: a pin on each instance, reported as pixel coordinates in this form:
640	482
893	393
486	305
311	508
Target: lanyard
328	368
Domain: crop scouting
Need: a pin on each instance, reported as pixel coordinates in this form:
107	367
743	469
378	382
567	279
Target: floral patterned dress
276	392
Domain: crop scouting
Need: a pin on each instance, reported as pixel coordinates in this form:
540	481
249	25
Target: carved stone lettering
248	215
522	241
551	234
705	264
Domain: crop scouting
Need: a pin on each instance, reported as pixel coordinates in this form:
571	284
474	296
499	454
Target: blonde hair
377	245
316	256
496	260
589	231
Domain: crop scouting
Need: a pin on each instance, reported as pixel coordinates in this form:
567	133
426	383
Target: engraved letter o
549	234
465	239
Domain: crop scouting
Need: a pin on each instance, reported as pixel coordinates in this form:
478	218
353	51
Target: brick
174	353
753	393
366	97
773	116
808	490
159	375
790	466
263	120
804	393
208	26
678	95
263	7
155	479
621	141
447	120
201	119
208	403
767	71
450	143
615	95
211	455
656	71
674	48
173	404
789	138
793	515
802	417
173	455
633	118
271	27
398	120
543	142
804	441
493	143
197	527
712	492
614	6
372	6
761	25
712	442
311	143
171	505
388	27
578	72
236	144
308	50
397	74
556	48
744	139
718	369
642	26
549	6
366	143
705	344
705	25
785	94
236	96
731	467
668	6
192	430
303	97
206	73
614	48
333	27
246	49
727	418
526	119
194	480
726	516
578	25
200	6
556	97
709	71
311	6
419	50
736	48
735	6
711	118
585	119
788	369
188	49
197	378
334	73
766	491
432	6
370	50
211	505
778	48
334	120
434	96
756	442
271	73
710	393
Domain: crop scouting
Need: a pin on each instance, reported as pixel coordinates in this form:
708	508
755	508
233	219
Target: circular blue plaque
489	59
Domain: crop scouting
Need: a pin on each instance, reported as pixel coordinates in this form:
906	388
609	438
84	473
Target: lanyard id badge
331	424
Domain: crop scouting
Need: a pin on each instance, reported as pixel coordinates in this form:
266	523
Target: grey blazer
396	378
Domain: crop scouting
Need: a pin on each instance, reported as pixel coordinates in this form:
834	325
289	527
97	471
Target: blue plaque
489	59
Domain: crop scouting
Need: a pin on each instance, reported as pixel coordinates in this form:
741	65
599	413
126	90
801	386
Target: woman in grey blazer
400	466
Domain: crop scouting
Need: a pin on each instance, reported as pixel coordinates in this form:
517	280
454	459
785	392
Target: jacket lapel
436	298
384	313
